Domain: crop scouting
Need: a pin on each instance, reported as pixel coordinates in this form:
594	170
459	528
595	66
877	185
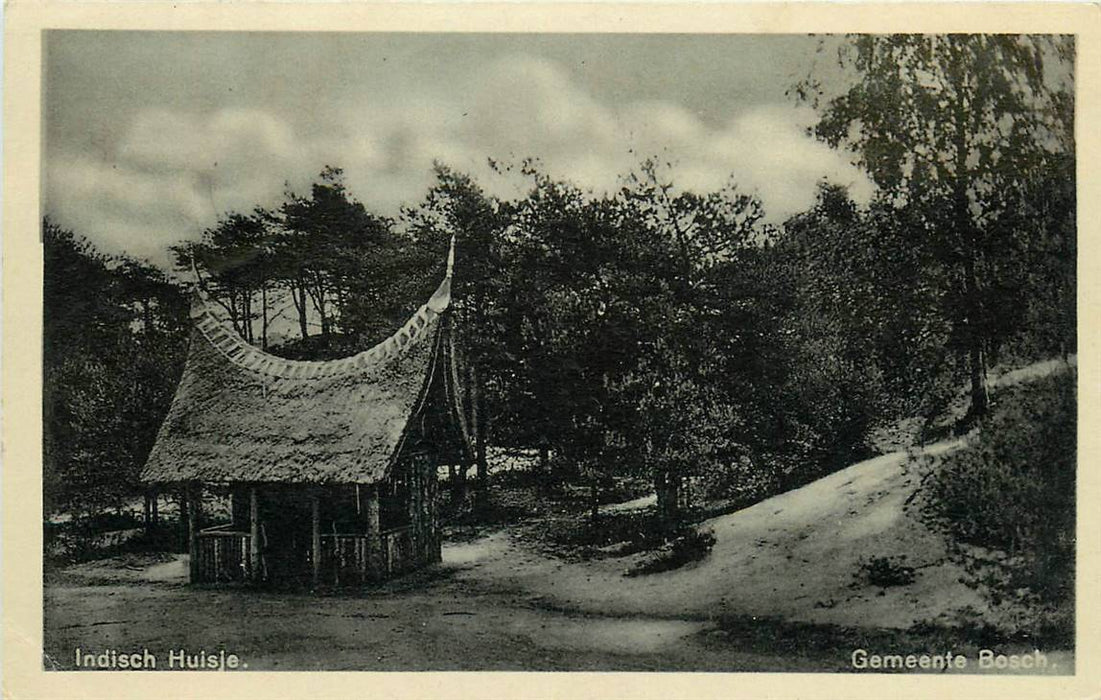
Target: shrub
885	572
1014	488
689	546
642	530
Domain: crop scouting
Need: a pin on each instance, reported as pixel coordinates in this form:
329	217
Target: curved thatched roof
241	414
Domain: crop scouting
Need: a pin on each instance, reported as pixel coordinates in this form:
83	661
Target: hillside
794	555
798	555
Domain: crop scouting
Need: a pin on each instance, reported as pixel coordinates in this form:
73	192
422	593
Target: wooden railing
398	552
223	555
346	559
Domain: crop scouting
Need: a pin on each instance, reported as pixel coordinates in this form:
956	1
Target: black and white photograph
542	351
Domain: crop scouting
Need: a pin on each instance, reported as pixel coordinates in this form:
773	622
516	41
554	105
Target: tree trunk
667	489
459	486
659	491
264	313
973	311
300	304
315	538
972	330
248	314
321	309
544	477
480	457
980	397
235	314
480	437
594	502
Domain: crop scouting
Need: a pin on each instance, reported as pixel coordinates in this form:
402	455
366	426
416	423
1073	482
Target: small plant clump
886	572
688	546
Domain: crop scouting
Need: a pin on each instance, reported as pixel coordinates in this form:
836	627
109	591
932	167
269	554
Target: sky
150	137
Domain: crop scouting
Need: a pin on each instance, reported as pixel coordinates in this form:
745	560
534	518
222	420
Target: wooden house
331	467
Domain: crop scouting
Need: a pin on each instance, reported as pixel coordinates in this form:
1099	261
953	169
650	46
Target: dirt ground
445	619
777	593
436	620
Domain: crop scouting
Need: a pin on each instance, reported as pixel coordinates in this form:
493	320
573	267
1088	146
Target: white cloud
173	173
768	151
158	138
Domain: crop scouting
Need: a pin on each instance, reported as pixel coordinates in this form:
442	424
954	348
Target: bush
1014	488
743	480
689	546
104	536
885	572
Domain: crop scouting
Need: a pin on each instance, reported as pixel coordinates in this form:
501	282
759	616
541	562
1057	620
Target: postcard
472	350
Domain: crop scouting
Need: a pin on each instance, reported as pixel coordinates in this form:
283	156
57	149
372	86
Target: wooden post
156	508
236	507
414	505
462	488
183	539
434	513
544	478
254	534
194	516
315	543
374	542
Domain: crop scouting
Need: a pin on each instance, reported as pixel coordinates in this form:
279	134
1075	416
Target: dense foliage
1014	488
954	130
113	349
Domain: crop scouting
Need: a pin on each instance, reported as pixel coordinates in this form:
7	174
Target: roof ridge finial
198	287
442	297
451	257
197	281
199	298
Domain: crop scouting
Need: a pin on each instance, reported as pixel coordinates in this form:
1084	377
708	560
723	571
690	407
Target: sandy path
495	605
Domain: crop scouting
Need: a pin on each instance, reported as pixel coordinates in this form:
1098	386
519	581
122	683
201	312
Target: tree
456	207
944	124
336	260
236	257
313	228
113	349
704	248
